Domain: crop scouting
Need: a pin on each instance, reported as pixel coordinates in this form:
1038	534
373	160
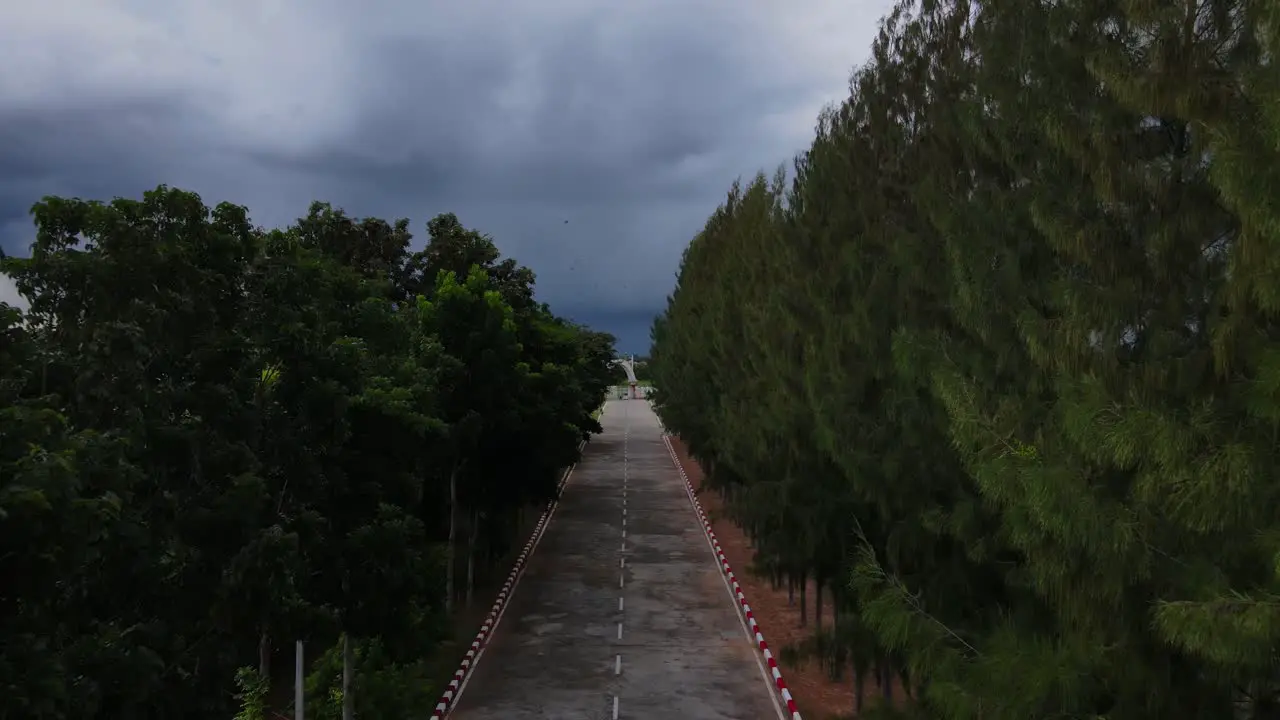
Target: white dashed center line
622	561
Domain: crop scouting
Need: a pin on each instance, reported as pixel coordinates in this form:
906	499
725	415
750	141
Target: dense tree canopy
1000	364
219	439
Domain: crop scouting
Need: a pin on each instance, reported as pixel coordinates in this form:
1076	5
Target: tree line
217	439
997	362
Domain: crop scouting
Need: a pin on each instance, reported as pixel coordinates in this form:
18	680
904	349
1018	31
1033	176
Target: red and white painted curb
737	589
499	605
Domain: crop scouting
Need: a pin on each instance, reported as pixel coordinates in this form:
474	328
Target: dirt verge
818	697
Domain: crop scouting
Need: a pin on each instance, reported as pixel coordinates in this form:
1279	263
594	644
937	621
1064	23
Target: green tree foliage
998	366
219	439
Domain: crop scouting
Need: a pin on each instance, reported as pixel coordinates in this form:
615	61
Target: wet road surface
622	611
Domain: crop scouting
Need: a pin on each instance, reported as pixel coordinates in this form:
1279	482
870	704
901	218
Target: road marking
622	561
733	598
493	629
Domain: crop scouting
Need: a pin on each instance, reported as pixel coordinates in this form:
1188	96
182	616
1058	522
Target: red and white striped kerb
737	589
491	621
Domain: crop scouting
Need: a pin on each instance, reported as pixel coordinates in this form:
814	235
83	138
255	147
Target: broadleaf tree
220	439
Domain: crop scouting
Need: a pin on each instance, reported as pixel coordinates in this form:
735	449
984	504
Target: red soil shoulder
815	694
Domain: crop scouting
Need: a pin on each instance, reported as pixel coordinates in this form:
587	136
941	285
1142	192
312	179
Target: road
622	611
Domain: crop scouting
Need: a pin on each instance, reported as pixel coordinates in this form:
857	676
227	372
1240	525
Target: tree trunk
804	601
264	653
886	682
791	591
348	701
817	604
451	548
859	688
471	556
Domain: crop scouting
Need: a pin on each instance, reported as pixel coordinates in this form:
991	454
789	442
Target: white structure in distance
632	390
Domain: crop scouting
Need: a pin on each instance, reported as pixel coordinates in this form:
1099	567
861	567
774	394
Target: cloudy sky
628	119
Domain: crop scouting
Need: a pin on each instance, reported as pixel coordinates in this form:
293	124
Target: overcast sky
628	119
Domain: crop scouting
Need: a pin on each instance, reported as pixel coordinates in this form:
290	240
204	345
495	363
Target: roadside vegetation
216	440
997	363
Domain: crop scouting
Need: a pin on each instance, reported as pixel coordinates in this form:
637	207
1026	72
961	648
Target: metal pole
297	682
348	702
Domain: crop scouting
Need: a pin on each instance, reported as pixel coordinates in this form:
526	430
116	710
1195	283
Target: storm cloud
627	120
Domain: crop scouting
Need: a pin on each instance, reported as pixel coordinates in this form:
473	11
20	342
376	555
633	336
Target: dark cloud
627	120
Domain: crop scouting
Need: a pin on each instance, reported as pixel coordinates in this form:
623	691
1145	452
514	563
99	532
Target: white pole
297	682
348	702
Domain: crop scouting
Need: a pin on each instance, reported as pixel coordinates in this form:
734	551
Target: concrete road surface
622	612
